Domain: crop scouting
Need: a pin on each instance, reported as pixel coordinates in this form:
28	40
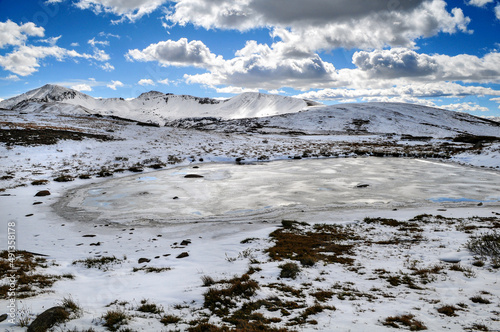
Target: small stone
36	203
97	244
362	185
175	197
3	317
42	193
143	260
185	242
89	235
29	215
193	176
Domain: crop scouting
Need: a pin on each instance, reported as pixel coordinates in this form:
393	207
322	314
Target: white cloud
479	3
81	87
126	9
415	90
146	81
405	65
115	84
497	11
13	34
234	90
25	60
74	44
13	78
165	81
51	41
179	53
397	62
465	107
94	42
51	2
324	24
107	67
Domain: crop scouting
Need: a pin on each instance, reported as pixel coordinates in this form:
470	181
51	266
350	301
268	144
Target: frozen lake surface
233	192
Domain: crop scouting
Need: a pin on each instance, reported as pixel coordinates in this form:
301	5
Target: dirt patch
45	136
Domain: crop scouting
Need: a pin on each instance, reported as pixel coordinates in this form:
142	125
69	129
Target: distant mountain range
256	112
153	106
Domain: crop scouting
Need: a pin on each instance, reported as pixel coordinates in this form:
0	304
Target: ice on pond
229	190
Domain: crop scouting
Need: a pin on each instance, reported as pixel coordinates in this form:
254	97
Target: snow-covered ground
227	221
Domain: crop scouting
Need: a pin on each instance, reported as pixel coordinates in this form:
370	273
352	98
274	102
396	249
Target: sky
430	52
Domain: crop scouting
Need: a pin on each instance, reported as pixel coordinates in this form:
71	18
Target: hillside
256	112
153	106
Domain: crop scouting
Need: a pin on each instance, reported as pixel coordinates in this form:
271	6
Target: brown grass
322	242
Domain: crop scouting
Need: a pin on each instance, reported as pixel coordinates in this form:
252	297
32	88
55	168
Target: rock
3	317
37	203
42	193
97	244
185	242
193	176
450	260
175	197
143	260
48	319
362	185
88	235
182	255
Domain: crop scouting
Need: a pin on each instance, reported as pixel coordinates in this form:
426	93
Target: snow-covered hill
153	106
366	118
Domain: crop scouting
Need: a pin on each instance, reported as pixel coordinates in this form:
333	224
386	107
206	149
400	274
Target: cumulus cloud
497	11
323	24
397	62
82	87
179	53
131	10
13	34
165	81
25	59
405	64
114	84
146	81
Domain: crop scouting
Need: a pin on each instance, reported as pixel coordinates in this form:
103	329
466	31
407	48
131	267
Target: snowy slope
372	118
157	107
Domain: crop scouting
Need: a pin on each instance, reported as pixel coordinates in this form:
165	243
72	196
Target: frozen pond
230	192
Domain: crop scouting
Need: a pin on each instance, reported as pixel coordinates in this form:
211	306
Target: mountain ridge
158	107
257	112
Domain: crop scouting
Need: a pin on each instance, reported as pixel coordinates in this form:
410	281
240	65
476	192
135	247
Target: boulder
42	193
48	319
143	260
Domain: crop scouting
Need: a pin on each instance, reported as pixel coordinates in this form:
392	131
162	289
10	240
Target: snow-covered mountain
153	106
260	112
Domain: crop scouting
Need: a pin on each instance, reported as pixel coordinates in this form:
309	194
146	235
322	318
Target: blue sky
430	52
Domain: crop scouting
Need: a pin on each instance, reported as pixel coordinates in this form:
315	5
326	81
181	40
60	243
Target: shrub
486	245
114	319
405	320
289	270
